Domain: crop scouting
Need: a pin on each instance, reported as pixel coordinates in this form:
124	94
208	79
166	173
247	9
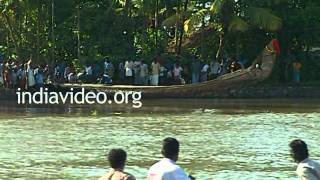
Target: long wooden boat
212	88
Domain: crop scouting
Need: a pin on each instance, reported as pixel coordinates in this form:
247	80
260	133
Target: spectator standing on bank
13	75
296	71
1	73
177	70
22	76
162	75
108	68
204	73
89	74
6	79
121	70
136	71
144	73
67	71
215	69
30	75
187	76
39	77
155	66
195	70
129	72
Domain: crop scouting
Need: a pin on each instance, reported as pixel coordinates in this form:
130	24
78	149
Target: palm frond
277	2
238	24
264	19
195	20
171	21
121	2
216	6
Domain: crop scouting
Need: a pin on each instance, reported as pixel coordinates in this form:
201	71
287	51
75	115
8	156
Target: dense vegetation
79	31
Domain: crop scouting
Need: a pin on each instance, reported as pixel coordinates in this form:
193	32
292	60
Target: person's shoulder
316	164
163	166
307	172
315	161
178	169
308	162
155	165
106	176
118	175
128	176
303	166
177	172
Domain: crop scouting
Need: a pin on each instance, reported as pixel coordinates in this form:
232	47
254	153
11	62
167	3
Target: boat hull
214	88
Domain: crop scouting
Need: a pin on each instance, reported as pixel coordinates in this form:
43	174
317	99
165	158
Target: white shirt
89	70
215	68
31	79
136	65
144	70
106	65
308	170
177	71
1	69
205	68
166	169
155	68
128	66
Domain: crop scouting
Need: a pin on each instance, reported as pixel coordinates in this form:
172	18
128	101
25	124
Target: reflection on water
219	139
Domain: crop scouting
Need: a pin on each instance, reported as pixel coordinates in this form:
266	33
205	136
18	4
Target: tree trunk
52	34
182	25
178	13
128	8
129	27
12	34
225	15
219	55
156	24
78	34
202	34
38	32
8	45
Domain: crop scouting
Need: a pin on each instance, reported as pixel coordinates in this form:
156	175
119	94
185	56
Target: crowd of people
24	75
167	169
165	72
159	72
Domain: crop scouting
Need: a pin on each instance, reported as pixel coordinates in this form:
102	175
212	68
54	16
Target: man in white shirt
215	69
155	66
204	73
166	169
31	78
129	72
144	73
136	71
88	70
108	68
1	74
307	169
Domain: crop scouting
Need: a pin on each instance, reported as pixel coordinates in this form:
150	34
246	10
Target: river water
225	139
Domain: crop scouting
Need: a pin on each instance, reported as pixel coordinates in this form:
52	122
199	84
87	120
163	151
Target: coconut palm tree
226	16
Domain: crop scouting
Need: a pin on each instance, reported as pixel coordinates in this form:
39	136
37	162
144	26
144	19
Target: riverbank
259	91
